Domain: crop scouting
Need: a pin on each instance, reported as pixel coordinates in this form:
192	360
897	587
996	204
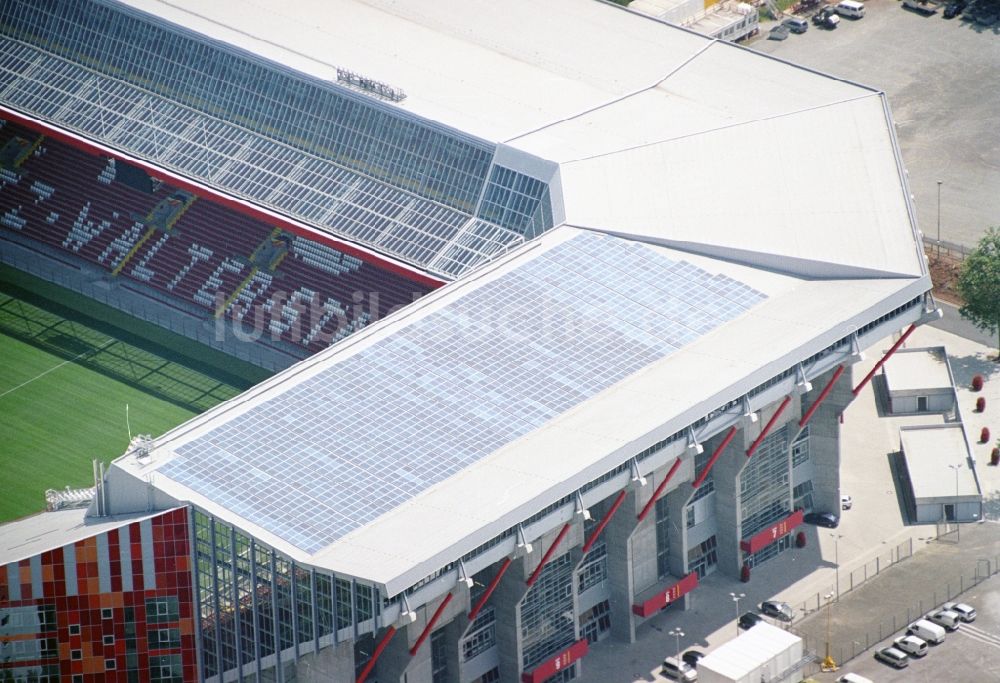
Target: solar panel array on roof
358	439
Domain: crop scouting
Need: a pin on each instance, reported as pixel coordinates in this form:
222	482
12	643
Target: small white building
943	485
920	381
762	653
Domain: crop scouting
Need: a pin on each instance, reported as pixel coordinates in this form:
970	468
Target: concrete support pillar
677	500
727	508
824	438
331	663
506	602
620	585
396	661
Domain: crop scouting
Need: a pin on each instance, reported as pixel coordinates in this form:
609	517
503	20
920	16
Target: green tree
979	284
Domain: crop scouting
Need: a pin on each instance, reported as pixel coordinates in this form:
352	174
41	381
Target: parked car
945	617
795	24
851	9
853	678
781	611
691	658
678	671
825	519
826	18
893	657
779	32
911	645
749	620
953	9
965	612
846	502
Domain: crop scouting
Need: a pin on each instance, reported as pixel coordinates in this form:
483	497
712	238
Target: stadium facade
639	303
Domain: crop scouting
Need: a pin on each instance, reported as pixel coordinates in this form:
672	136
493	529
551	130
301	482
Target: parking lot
941	79
972	653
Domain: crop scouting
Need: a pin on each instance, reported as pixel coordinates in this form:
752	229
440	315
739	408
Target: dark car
778	33
781	611
691	657
826	18
953	9
749	620
827	519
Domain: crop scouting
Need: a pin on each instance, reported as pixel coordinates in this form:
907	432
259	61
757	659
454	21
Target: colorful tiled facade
115	606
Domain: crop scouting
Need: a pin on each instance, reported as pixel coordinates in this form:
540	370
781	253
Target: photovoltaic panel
333	452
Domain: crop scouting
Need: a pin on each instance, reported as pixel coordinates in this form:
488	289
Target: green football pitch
69	369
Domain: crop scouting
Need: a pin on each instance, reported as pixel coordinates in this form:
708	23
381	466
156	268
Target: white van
850	8
925	630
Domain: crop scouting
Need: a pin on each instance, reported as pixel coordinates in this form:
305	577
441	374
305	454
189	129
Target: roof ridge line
614	100
808	269
713	130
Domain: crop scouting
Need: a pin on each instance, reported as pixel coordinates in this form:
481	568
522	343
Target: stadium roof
775	192
538	374
639	127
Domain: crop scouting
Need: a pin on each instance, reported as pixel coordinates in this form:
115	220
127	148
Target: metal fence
846	582
193	324
866	633
944	249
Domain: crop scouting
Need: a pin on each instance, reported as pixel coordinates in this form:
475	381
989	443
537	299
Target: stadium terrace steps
69	199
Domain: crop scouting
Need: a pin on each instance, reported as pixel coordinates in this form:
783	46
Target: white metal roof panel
817	192
493	70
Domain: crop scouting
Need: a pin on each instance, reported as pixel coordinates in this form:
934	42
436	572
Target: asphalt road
941	78
953	322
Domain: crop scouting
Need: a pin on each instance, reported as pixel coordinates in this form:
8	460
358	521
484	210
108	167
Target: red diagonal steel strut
489	589
604	522
430	625
715	456
822	396
856	390
375	655
767	427
548	554
659	489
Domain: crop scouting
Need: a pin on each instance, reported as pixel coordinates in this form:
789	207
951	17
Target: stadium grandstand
629	302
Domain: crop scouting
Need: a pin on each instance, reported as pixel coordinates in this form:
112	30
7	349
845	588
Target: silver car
965	612
893	657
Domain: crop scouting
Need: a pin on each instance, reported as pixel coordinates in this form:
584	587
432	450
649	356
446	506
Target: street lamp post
836	559
677	633
736	598
828	662
955	506
939	219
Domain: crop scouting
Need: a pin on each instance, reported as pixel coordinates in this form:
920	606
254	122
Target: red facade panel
764	538
561	661
665	598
